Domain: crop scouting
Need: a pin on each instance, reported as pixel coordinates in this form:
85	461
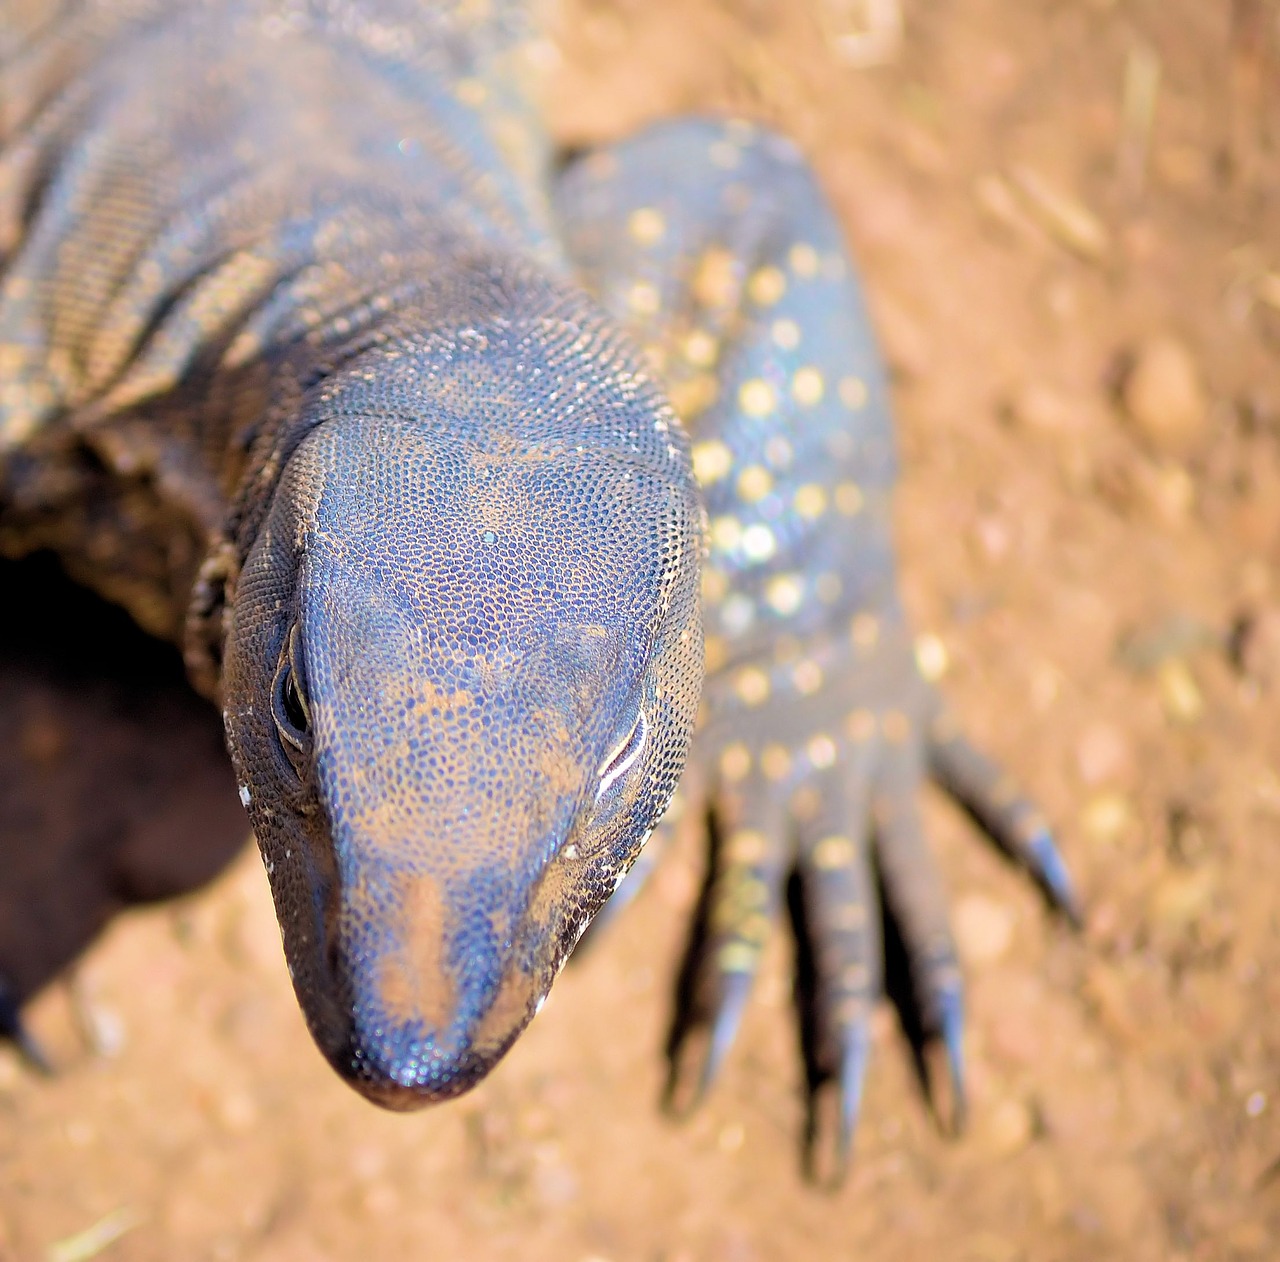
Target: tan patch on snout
413	980
509	1013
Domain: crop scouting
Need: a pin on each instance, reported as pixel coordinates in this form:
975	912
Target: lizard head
461	672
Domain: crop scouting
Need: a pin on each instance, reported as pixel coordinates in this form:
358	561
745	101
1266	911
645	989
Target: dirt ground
1067	214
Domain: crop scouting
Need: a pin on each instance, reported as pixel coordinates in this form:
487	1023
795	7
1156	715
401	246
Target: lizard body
311	359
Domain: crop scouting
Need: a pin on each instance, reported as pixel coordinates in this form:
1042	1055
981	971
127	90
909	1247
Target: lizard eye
623	755
289	706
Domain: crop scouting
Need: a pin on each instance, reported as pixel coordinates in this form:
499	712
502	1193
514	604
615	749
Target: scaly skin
294	365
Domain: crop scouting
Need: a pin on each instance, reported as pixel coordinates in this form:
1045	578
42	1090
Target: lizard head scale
460	676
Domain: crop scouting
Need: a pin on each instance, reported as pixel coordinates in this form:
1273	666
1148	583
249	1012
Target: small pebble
1039	409
1170	492
103	1026
1164	396
1179	897
1255	646
1109	996
238	1112
983	929
10	1068
1179	693
1066	219
1103	754
1105	817
931	657
731	1137
1008	1128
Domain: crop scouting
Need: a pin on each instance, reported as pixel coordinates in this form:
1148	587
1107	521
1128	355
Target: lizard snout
435	997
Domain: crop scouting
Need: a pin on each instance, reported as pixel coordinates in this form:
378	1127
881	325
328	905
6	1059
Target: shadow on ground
114	784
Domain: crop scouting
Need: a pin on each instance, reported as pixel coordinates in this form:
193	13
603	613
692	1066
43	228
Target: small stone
1179	897
1255	646
932	659
10	1068
238	1112
983	929
1164	396
1108	995
1009	1128
1106	817
1170	492
103	1026
1179	693
1072	224
1037	408
731	1137
1103	754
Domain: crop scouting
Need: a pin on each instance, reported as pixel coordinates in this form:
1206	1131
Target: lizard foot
814	780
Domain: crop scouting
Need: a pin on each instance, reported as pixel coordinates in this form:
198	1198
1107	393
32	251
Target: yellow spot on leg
754	483
803	259
807	677
807	387
849	499
775	762
712	460
715	586
784	594
758	542
724	155
646	225
726	533
701	349
766	286
735	762
752	685
865	631
853	393
897	727
756	397
694	395
785	334
834	852
714	653
931	657
644	298
715	282
821	750
810	501
737	957
860	725
746	846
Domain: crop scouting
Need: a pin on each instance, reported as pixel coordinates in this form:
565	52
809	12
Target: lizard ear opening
206	626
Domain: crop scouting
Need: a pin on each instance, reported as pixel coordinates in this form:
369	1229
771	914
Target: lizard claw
14	1030
1050	869
951	1021
853	1072
735	989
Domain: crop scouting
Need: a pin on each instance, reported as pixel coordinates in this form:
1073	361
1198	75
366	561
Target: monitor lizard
452	464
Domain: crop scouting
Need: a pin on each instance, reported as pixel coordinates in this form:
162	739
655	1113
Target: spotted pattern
816	727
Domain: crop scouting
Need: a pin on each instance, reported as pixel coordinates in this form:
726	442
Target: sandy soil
1068	218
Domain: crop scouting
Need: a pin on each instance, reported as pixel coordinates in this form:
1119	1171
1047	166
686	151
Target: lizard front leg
713	243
